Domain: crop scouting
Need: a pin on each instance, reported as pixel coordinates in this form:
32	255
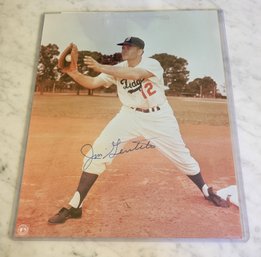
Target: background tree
176	74
47	72
202	87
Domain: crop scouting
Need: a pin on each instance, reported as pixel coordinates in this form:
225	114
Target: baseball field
141	194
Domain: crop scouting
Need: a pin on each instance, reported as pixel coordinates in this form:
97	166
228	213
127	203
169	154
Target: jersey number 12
148	88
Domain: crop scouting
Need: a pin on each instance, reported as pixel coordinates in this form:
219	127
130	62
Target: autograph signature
89	154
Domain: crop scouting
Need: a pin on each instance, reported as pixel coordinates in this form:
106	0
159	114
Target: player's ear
141	51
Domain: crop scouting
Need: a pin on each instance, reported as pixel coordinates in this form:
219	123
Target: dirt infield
141	194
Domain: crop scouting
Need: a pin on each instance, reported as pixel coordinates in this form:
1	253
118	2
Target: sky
191	34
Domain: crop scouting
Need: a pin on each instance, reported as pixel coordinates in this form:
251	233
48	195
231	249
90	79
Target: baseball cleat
65	214
217	200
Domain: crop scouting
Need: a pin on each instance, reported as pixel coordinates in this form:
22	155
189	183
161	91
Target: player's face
129	52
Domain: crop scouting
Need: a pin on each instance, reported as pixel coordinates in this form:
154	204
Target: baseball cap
133	41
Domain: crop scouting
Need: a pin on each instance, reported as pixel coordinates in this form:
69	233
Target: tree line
176	75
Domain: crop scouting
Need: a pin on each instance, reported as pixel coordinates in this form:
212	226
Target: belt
151	109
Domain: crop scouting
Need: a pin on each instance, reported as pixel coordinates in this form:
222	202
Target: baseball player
145	112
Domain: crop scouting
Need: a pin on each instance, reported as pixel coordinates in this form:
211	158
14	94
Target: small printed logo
22	229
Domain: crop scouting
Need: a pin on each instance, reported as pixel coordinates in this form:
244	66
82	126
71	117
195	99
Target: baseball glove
217	200
68	59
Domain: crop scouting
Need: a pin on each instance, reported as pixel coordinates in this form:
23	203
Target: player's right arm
85	80
72	69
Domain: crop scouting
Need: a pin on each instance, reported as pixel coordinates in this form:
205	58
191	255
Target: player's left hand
91	63
71	65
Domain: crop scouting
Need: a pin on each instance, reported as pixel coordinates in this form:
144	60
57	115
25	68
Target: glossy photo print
131	131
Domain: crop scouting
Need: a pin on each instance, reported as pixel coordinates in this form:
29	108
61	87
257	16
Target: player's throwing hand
91	63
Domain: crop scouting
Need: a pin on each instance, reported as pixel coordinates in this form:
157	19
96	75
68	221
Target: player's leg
162	129
173	147
74	208
166	136
105	148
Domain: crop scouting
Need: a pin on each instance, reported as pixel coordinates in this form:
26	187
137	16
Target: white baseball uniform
157	123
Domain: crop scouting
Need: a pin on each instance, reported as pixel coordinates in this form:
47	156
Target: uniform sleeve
109	80
152	66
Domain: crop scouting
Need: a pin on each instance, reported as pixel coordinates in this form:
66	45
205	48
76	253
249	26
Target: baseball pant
159	127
